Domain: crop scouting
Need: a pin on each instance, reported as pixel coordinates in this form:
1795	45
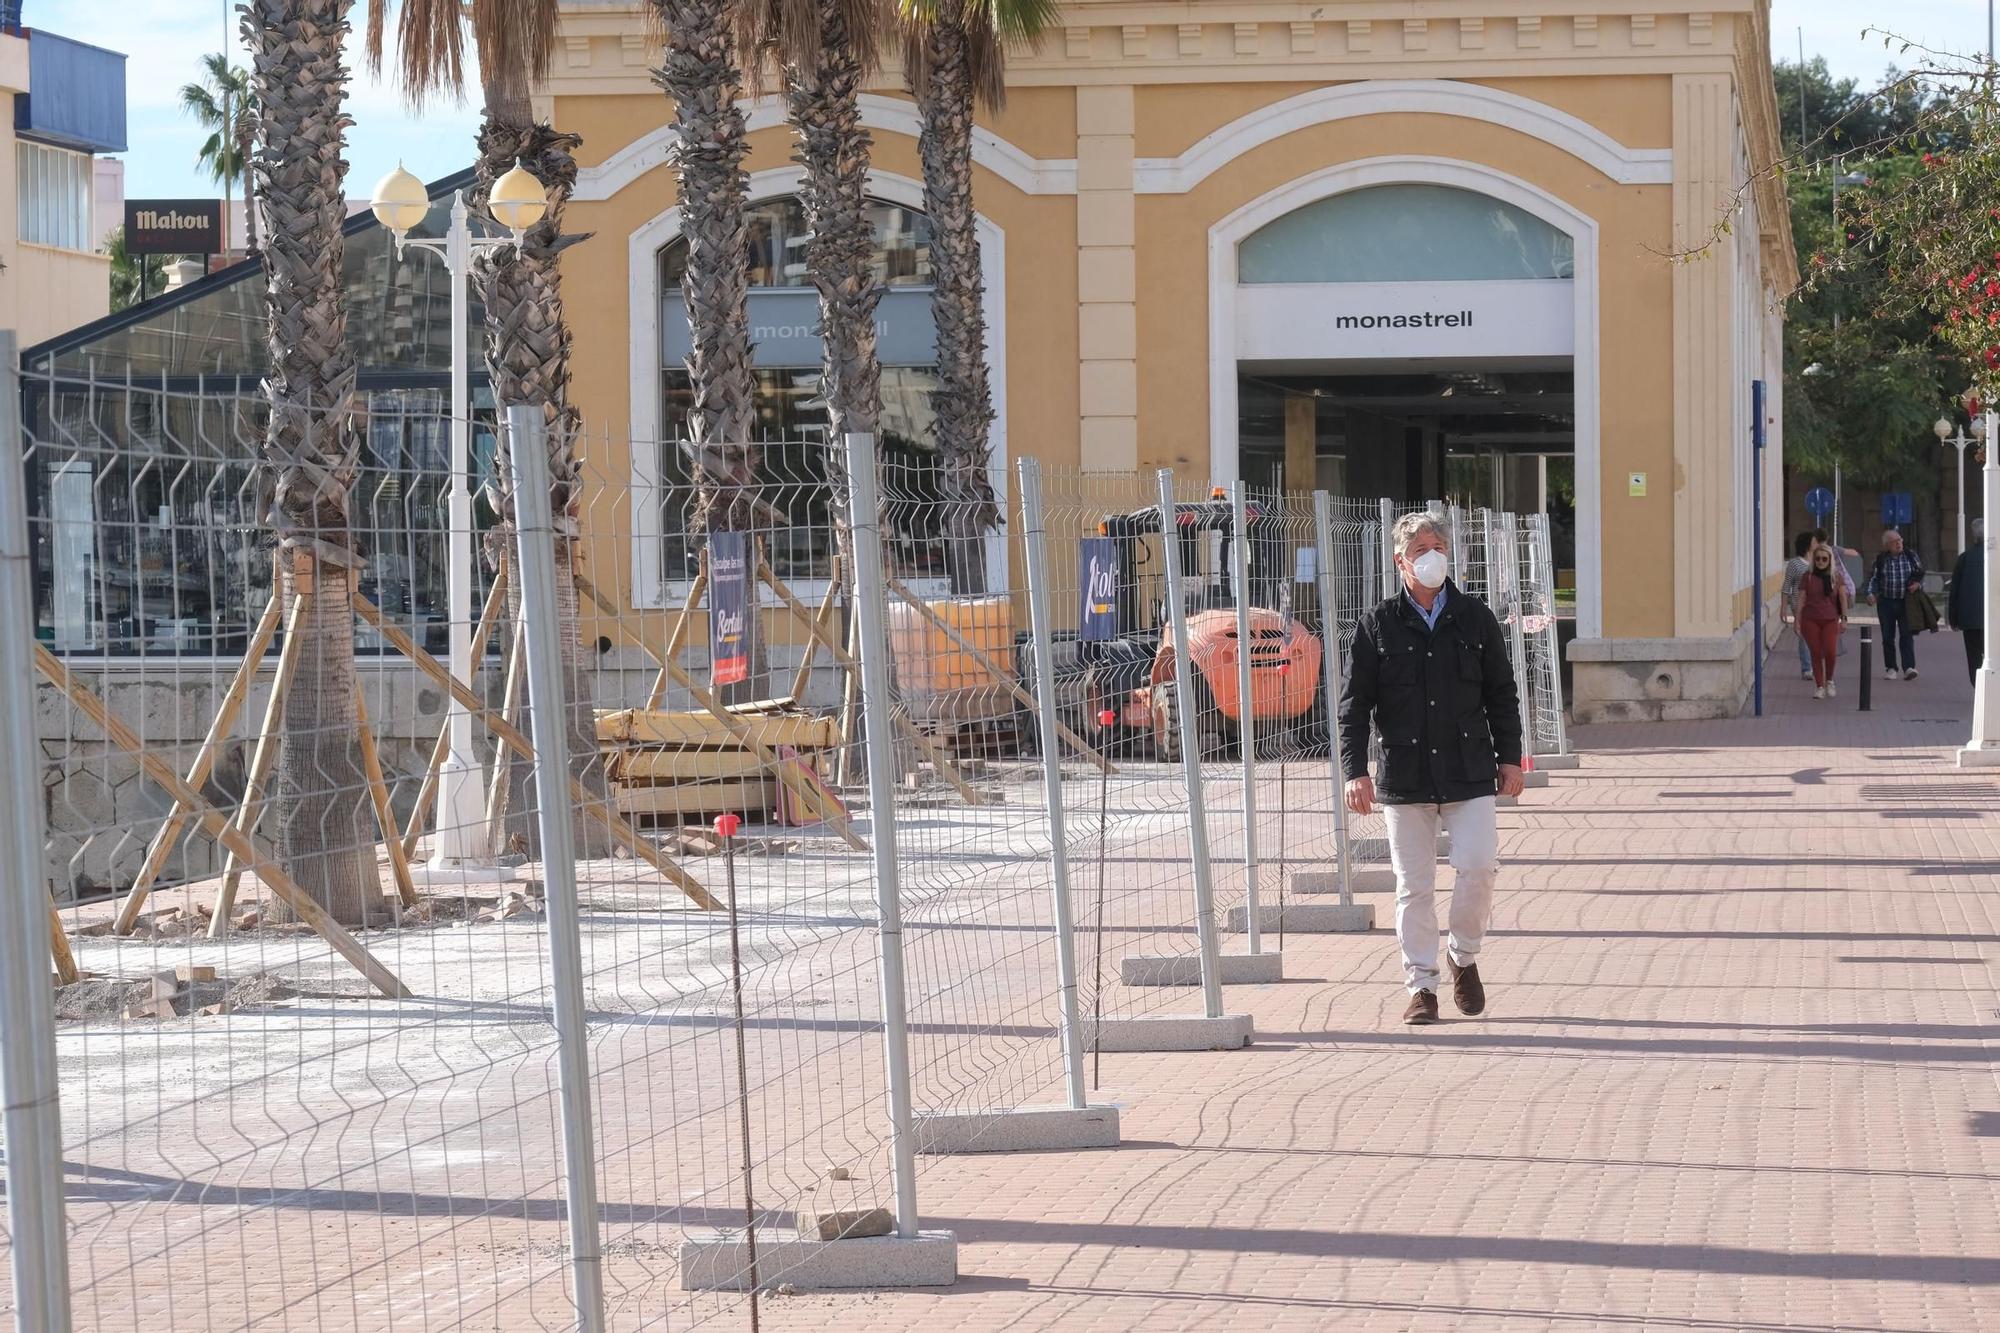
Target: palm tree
527	334
955	54
700	74
221	104
826	48
132	274
311	445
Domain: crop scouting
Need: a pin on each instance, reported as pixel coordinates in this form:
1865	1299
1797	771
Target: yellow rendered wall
1635	355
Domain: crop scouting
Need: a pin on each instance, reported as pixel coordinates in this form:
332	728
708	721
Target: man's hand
1361	795
1512	782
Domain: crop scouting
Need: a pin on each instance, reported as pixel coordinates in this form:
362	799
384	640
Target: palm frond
515	41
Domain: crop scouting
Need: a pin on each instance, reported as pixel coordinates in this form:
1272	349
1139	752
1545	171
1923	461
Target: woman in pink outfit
1822	614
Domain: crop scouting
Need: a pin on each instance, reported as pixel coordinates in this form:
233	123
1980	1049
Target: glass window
777	239
1405	233
54	202
791	419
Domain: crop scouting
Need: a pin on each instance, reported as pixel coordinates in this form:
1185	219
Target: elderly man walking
1430	672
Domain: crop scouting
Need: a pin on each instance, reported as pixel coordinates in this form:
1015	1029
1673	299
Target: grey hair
1979	529
1412	526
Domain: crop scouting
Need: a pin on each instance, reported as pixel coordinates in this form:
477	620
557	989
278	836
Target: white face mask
1430	568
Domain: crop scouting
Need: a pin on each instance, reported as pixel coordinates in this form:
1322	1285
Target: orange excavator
1133	675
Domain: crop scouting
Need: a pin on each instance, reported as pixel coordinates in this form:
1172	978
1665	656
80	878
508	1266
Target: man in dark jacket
1966	605
1429	670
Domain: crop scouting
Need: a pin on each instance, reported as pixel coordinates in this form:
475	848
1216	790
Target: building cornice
609	49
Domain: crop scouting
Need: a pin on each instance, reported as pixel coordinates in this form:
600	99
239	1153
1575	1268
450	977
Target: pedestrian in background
1429	670
1822	615
1845	574
1966	603
1897	574
1795	569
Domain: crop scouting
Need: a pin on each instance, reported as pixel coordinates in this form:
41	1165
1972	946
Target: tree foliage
127	269
1865	372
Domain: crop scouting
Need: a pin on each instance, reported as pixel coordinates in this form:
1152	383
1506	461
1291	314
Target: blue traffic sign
1819	502
1897	508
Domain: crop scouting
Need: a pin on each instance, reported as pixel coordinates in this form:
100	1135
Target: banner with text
1099	617
728	607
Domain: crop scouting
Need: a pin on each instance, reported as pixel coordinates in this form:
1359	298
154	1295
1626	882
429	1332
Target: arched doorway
1416	328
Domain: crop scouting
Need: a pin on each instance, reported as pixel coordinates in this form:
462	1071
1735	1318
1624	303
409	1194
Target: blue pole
1757	542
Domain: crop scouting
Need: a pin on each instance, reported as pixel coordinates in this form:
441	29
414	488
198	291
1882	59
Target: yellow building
1436	249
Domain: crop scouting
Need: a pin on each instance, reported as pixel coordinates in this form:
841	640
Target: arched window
1405	233
790	417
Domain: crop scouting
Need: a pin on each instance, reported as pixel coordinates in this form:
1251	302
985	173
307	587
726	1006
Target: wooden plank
251	806
59	950
427	794
218	827
204	763
699	798
745	736
678	637
820	626
378	792
510	736
502	787
639	728
932	751
1005	678
639	768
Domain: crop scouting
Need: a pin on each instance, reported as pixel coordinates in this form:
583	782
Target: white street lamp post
1983	750
1943	430
400	203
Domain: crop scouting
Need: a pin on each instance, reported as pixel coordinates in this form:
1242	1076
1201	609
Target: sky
167	38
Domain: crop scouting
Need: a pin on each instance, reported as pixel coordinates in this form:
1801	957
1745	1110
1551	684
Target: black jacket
1444	701
1967	601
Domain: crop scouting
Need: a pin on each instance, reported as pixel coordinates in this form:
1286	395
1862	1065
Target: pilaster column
1107	278
1705	391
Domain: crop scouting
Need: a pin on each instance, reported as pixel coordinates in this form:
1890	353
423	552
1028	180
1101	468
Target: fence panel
244	707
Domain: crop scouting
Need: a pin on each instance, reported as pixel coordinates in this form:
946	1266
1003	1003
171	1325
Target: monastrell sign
173	226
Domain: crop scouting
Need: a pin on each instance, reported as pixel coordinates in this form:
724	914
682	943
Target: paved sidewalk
1738	1072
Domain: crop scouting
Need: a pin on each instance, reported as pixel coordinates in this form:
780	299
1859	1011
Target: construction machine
1132	675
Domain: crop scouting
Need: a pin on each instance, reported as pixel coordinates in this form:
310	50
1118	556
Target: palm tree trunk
325	832
699	72
963	401
528	360
824	101
245	132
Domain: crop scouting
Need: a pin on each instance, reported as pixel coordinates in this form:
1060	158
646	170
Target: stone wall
1663	680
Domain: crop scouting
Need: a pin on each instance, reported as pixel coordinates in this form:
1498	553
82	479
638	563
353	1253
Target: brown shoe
1423	1009
1466	990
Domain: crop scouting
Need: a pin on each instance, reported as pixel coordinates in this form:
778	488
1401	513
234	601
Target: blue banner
728	608
1098	619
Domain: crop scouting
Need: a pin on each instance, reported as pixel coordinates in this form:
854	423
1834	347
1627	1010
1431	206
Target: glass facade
143	480
1406	233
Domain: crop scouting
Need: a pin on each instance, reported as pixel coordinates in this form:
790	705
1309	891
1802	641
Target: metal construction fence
483	887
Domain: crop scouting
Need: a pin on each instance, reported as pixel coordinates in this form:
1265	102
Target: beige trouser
1475	861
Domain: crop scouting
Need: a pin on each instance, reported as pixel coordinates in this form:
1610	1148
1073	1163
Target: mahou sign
173	226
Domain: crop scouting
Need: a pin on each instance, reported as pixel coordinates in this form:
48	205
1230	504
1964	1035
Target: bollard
1867	669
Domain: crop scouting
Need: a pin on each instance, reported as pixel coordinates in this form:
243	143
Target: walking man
1897	574
1430	672
1966	605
